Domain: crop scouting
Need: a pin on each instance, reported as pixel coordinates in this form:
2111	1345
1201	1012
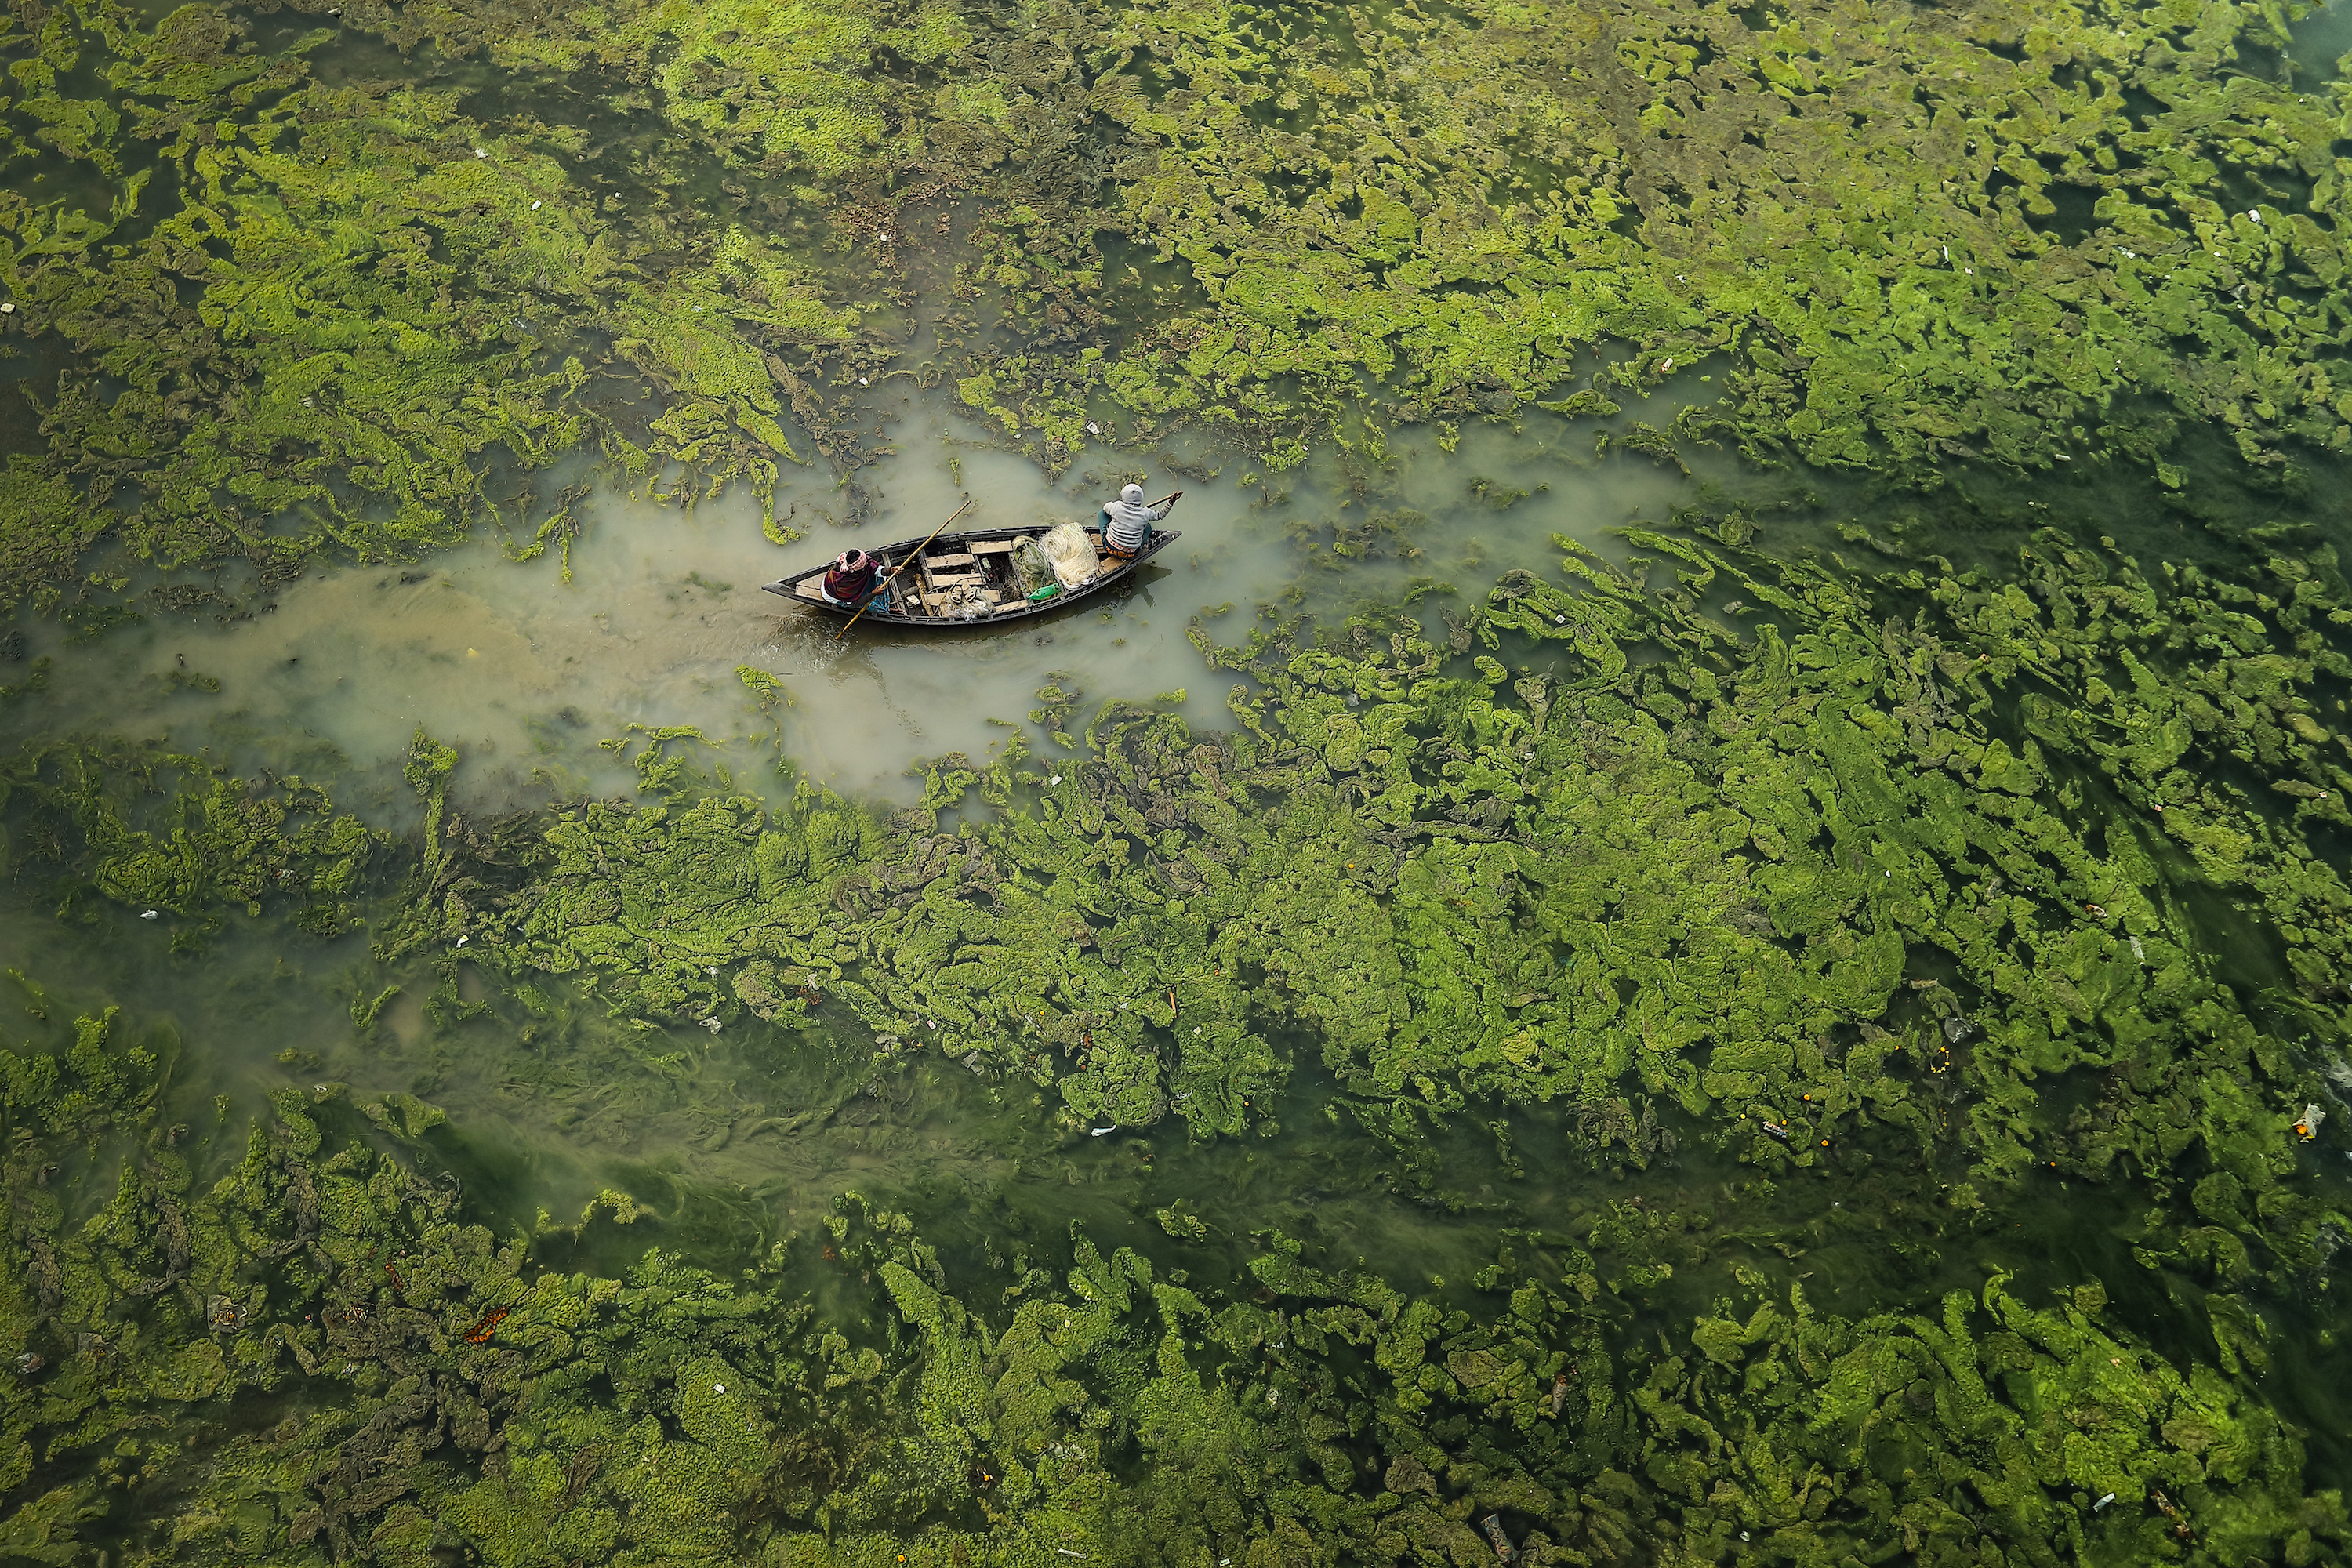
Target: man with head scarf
1127	521
850	579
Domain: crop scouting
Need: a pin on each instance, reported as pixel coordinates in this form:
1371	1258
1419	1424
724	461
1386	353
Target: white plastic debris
1103	1132
9	308
1093	429
2306	1126
861	381
2254	214
536	206
464	940
1056	779
480	154
153	915
2103	1502
718	1388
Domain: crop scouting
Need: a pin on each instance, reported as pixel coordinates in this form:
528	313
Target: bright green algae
1887	241
1877	890
1936	892
1773	880
338	307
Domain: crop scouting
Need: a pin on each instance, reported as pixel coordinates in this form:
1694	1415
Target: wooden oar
909	556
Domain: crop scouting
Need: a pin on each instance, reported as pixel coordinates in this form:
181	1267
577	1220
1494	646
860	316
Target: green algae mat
1809	1030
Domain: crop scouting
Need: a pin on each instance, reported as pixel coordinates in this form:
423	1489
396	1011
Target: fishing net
1072	554
1030	567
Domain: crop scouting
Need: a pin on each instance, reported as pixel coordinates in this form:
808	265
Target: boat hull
956	563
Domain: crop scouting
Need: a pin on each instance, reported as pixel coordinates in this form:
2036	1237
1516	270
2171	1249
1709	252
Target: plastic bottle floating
1493	1525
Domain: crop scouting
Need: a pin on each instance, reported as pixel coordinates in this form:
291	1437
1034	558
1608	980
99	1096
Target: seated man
1127	522
850	580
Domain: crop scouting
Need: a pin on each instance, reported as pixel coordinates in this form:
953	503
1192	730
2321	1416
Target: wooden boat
960	581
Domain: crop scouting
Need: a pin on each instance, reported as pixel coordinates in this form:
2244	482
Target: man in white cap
1127	521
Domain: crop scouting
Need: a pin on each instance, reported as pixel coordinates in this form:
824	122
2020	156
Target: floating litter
1094	429
536	206
153	915
1100	1131
2306	1126
1056	779
861	381
718	1388
2103	1502
9	308
480	154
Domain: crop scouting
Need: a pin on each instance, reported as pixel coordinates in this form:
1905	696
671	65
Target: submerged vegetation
442	1394
1919	993
1892	886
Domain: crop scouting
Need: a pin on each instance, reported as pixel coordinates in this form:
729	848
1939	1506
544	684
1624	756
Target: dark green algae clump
308	1356
1862	882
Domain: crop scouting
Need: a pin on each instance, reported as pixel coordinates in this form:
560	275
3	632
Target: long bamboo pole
910	555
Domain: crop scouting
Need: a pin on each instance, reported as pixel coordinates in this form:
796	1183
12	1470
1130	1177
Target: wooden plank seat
936	562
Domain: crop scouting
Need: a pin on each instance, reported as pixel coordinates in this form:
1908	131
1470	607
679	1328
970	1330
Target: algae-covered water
1702	917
